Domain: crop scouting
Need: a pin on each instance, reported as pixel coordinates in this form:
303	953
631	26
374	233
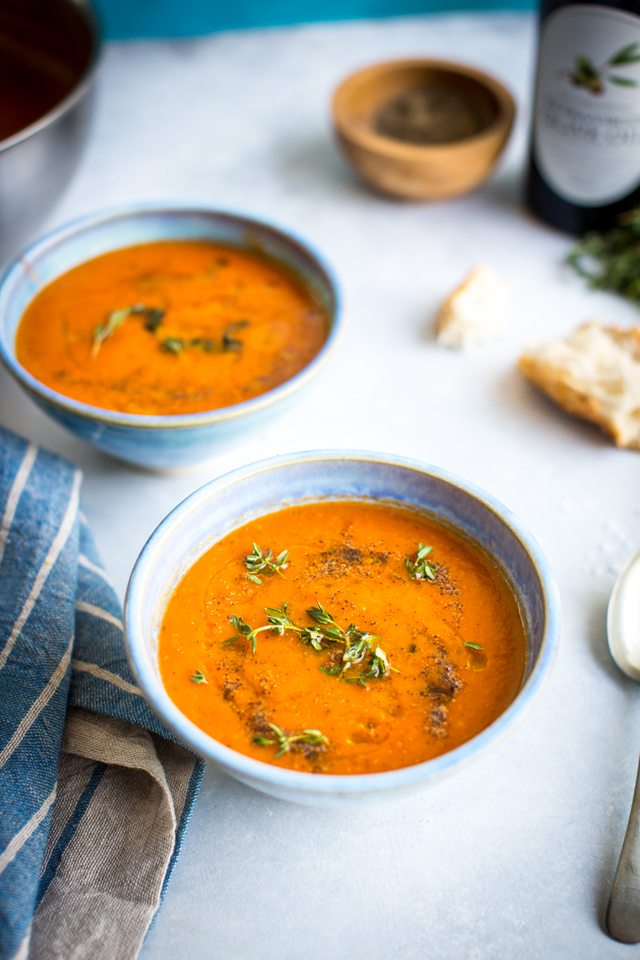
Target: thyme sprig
153	319
314	737
243	631
421	568
228	343
357	644
378	666
278	622
474	646
611	260
198	677
258	562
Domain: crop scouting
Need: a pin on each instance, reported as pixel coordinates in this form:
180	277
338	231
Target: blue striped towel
95	794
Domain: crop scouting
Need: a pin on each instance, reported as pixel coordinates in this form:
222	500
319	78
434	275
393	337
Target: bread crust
594	374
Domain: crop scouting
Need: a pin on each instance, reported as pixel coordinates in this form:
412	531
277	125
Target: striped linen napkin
95	794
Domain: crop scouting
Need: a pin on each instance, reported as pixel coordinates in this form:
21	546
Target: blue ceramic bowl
157	442
232	500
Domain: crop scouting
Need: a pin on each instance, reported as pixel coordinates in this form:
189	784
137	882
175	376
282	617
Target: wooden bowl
412	171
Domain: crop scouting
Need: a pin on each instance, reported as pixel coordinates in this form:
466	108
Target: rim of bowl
344	123
319	783
21	264
87	12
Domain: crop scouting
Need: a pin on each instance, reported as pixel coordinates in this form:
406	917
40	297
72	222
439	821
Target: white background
512	857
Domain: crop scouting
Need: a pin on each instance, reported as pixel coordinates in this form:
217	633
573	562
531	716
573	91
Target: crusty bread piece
595	374
474	312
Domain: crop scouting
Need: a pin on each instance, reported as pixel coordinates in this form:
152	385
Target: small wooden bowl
412	171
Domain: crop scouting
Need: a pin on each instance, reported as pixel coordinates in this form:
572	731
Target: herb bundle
314	737
611	260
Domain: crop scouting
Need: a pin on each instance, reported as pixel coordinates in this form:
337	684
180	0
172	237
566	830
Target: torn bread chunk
475	311
594	373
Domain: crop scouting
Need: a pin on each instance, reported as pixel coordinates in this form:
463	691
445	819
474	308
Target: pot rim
85	9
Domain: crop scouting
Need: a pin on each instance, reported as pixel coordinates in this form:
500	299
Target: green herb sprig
421	568
228	343
474	646
357	644
611	260
198	677
314	737
278	622
153	319
265	563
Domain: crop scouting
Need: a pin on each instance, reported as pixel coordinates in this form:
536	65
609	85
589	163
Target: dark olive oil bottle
585	139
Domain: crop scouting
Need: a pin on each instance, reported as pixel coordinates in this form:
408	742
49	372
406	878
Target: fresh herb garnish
153	319
421	568
357	645
243	630
172	345
611	260
104	330
259	562
314	737
198	677
229	343
474	646
278	622
155	316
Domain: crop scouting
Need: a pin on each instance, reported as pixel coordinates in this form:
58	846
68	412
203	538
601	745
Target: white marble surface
514	856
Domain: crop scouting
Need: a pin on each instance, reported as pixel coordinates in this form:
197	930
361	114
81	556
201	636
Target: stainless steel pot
37	162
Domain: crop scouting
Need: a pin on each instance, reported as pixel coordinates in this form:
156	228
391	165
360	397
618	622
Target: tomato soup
171	327
342	637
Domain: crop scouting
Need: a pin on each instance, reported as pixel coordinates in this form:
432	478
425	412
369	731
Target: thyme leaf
229	343
474	646
198	677
284	742
320	615
172	345
421	568
379	666
155	316
258	562
243	631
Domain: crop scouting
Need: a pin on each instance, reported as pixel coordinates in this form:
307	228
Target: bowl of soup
162	334
338	627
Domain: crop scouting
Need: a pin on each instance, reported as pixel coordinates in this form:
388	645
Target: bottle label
586	133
